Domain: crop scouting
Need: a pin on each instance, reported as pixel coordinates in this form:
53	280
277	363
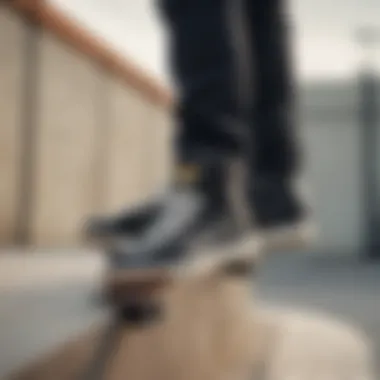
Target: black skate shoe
201	222
282	216
129	223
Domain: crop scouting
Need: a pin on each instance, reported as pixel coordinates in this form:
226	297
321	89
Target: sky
324	41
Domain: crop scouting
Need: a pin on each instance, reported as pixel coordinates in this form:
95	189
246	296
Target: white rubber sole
199	262
294	237
206	260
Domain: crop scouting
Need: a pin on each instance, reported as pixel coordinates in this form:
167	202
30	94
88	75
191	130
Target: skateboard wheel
140	312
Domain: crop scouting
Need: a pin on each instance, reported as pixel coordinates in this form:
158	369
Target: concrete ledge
26	269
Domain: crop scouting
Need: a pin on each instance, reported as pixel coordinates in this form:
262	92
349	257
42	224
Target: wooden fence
81	129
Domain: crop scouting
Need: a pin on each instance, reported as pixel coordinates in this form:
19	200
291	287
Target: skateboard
133	293
204	330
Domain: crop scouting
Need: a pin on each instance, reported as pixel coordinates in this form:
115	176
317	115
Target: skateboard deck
136	291
235	258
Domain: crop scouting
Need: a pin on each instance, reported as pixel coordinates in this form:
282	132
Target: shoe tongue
207	179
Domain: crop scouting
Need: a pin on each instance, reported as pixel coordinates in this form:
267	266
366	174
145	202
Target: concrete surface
46	298
344	286
48	306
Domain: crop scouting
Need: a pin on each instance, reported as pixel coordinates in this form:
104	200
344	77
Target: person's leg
273	122
276	155
203	68
209	120
201	64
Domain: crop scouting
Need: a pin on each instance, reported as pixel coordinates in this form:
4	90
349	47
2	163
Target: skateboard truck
139	313
137	310
134	295
133	301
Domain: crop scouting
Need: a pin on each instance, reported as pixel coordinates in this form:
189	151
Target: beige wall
138	159
63	188
162	158
98	145
126	160
12	36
